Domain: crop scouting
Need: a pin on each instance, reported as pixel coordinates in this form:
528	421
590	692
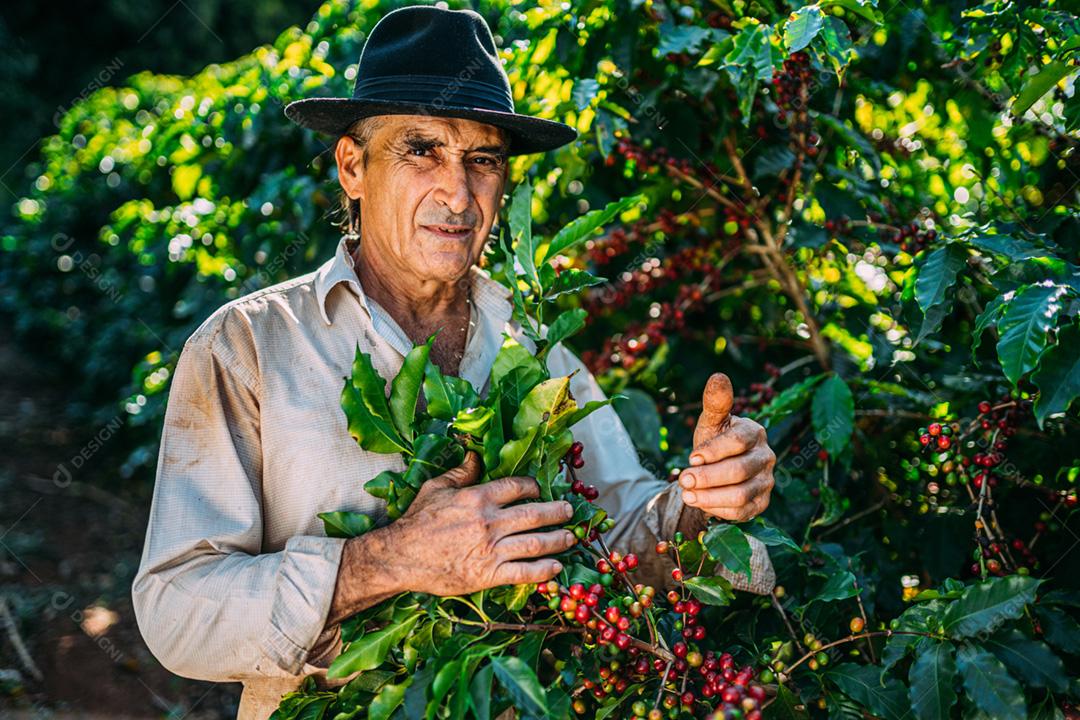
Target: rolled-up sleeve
646	509
209	603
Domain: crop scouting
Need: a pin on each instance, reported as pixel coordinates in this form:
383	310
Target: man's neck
410	301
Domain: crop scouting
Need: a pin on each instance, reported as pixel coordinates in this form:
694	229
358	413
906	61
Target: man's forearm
367	575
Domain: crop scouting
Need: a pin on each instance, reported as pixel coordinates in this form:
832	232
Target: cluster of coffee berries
718	19
840	225
814	645
912	239
651	160
759	395
789	86
573	456
740	696
937	436
573	460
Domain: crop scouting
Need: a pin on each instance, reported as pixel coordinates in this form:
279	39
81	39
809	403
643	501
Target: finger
742	435
508	489
465	474
744	513
535	571
730	498
531	545
731	471
534	515
716	404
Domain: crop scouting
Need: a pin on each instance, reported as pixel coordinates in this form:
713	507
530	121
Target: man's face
429	194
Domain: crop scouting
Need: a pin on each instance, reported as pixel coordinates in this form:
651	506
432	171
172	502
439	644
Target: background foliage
866	215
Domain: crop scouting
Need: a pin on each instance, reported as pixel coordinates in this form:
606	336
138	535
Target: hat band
437	90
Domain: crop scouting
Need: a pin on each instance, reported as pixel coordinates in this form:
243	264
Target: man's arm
645	508
210	604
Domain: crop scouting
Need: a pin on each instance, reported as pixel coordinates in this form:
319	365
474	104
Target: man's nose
452	188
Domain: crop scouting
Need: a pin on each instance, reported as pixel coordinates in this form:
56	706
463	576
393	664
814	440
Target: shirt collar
491	298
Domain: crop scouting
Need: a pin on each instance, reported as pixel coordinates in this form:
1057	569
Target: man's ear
350	162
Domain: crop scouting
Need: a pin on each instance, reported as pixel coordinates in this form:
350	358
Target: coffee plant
617	643
865	215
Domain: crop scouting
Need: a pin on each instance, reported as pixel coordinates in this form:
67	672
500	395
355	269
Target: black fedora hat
426	60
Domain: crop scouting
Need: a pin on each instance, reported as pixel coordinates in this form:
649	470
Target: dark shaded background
89	542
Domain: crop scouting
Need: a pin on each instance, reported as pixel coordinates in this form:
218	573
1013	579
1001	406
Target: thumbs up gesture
731	466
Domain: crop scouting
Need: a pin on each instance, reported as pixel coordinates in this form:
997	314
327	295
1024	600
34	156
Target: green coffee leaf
369	651
512	355
381	485
835	37
710	590
364	403
833	414
985	606
405	388
446	395
1024	326
863	684
727	544
516	455
938	274
433	455
839	585
445	677
520	218
387	701
344	524
1059	628
565	326
577	415
518	595
989	685
546	403
1039	84
1058	375
1030	660
769	534
802	26
474	421
581	229
789	401
567	281
522	684
494	438
932	676
480	692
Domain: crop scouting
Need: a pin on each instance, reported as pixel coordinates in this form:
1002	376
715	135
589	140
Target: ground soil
68	553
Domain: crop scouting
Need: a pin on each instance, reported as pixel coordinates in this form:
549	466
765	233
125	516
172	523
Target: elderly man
237	580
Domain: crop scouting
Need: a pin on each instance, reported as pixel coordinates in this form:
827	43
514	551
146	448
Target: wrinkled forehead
454	133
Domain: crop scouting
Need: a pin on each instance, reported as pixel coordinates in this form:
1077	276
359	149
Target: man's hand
457	538
731	467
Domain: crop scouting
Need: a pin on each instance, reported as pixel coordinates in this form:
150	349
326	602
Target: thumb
465	474
716	405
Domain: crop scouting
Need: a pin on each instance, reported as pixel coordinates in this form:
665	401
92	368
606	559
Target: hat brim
333	116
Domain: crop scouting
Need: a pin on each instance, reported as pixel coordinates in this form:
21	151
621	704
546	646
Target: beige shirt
237	575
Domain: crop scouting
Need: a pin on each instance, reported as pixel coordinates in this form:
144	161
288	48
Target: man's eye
418	151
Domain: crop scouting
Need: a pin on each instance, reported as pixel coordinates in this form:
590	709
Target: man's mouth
449	230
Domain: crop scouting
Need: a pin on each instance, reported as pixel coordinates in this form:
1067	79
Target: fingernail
689	496
687	480
556	567
568	509
696	460
570	537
